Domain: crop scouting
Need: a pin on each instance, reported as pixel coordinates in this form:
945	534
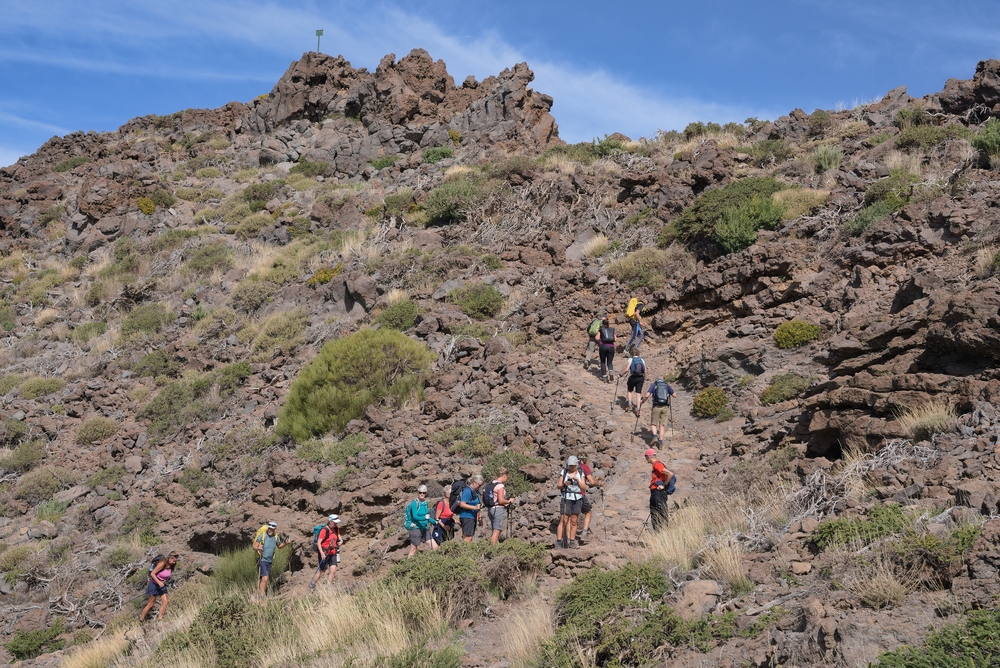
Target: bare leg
572	526
329	577
149	606
163	607
263	585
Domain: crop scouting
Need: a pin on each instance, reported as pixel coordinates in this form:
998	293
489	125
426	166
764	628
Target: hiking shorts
497	515
661	415
153	589
418	535
568	507
635	384
264	568
586	507
332	559
468	526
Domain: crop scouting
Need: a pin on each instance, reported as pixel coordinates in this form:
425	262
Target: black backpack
488	500
157	559
607	335
638	367
661	393
455	498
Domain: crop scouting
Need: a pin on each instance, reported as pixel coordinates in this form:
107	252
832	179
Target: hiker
444	527
587	509
159	572
606	349
634	314
660	392
636	379
658	486
468	505
496	502
328	550
572	486
418	522
267	546
592	338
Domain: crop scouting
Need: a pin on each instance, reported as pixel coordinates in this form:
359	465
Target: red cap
650	453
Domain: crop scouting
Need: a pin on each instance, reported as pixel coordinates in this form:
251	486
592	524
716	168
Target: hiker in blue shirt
267	546
418	522
661	393
636	378
469	508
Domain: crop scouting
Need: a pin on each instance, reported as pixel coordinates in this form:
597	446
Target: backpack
672	485
157	559
607	335
638	366
259	536
661	393
594	327
456	496
566	488
488	500
630	311
316	530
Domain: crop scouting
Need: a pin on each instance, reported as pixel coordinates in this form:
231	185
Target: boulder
696	599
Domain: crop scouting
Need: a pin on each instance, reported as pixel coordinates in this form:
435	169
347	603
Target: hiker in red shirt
658	484
587	510
328	545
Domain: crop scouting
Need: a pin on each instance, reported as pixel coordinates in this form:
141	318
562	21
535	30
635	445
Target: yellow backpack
259	536
630	311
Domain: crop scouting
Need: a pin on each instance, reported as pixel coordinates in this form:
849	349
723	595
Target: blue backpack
638	366
316	530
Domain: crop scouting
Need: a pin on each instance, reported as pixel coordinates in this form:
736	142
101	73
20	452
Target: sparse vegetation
972	642
107	477
26	456
881	521
784	387
402	315
250	295
209	258
194	479
280	331
87	331
333	452
477	300
925	420
70	163
709	402
40	484
146	319
452	200
96	429
650	268
437	154
40	387
795	333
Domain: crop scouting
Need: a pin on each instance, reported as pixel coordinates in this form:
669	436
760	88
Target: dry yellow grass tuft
525	629
46	316
903	162
597	246
98	654
456	172
395	296
724	562
798	202
984	261
923	421
874	576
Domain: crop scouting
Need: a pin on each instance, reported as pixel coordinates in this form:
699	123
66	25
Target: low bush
938	558
798	202
437	154
26	456
699	220
70	163
583	152
13	558
282	331
163	199
81	334
25	645
9	381
867	217
250	295
881	521
146	319
146	205
12	431
477	300
924	137
736	230
349	374
709	402
399	202
452	200
40	484
325	275
257	195
971	642
108	477
208	173
232	376
827	157
209	258
895	190
333	452
40	387
158	363
178	403
51	510
96	429
388	161
987	140
784	387
311	169
142	520
194	479
795	333
402	315
119	556
769	152
650	268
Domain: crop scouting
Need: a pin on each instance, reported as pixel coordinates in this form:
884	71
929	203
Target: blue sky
626	66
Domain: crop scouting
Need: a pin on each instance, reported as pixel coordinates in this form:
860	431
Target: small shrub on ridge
39	387
437	154
478	300
784	387
40	484
146	318
96	429
795	333
70	163
250	295
402	315
709	402
146	205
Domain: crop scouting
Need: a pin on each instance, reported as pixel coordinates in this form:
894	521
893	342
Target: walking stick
671	407
604	519
644	523
615	400
636	427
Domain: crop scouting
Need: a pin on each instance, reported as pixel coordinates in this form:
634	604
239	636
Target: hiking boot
604	378
659	442
573	544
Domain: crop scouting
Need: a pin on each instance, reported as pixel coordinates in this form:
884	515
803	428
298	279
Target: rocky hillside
821	291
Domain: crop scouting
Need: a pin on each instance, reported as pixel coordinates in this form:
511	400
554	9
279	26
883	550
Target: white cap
422	488
572	460
334	518
272	525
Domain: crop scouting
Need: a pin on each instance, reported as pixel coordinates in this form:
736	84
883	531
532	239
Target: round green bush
146	205
348	375
783	387
402	315
479	300
709	402
795	333
96	429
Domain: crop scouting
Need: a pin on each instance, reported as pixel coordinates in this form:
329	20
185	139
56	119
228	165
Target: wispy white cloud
9	155
29	123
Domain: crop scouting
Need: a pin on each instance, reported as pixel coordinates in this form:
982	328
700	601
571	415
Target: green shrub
39	387
881	521
402	315
24	457
452	200
987	140
769	152
519	165
333	452
108	477
973	642
349	374
311	169
51	510
937	558
9	381
699	220
399	202
29	644
795	333
146	318
257	195
236	570
421	656
736	230
40	484
516	483
867	217
209	258
280	330
16	556
709	402
87	331
163	199
71	163
819	122
648	268
232	376
437	154
250	295
492	262
894	190
390	160
50	215
158	363
178	403
96	429
208	173
325	275
194	479
927	136
146	205
250	227
584	152
784	387
827	157
477	300
142	520
12	431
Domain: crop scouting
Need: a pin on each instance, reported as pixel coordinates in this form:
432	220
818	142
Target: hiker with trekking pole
661	486
587	509
636	372
606	348
661	394
592	338
571	486
634	314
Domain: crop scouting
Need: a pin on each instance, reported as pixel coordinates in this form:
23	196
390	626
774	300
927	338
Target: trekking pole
636	427
604	519
671	407
644	523
615	400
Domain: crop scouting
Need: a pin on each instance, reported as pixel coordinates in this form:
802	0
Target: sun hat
334	518
422	489
572	460
650	453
